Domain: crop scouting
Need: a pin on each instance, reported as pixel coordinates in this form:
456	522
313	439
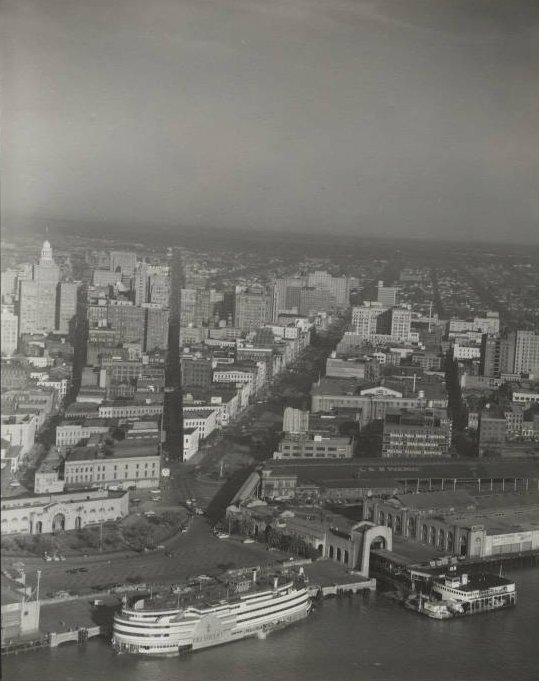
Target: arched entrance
424	533
78	522
432	536
397	525
39	527
58	522
338	555
381	518
378	537
450	541
378	543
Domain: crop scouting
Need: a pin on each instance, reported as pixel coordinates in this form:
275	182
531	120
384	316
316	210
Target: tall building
526	353
37	297
10	327
188	306
313	300
253	308
197	371
124	262
401	322
365	319
46	271
127	321
140	284
156	333
497	355
66	305
204	307
387	295
159	287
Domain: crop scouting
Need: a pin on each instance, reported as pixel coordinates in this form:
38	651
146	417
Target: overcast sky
390	117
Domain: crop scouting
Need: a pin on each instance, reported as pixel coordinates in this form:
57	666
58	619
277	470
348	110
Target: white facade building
9	332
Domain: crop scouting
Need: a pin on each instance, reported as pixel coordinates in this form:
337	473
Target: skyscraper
66	305
124	262
37	297
526	353
253	308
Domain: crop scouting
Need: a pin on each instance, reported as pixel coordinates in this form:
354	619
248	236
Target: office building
370	319
9	334
123	262
66	305
130	463
253	308
127	321
37	297
401	322
526	353
386	295
197	371
415	434
156	329
314	446
313	300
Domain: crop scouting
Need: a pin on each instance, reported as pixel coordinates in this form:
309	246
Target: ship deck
206	593
482	580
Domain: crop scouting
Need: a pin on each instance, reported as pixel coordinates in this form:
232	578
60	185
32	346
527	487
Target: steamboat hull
178	633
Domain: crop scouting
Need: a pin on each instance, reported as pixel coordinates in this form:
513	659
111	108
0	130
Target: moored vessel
465	594
213	612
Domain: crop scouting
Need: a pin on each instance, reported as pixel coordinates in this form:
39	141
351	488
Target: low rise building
461	523
19	430
131	408
124	465
70	433
203	418
54	512
313	445
191	438
412	434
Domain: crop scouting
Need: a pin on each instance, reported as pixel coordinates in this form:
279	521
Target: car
248	541
71	571
83	569
222	535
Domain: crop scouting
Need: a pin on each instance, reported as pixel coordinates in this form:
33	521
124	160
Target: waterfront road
194	552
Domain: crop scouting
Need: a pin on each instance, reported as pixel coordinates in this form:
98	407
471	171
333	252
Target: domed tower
46	253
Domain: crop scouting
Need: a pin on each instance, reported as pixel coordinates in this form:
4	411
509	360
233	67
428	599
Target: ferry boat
465	594
210	613
476	592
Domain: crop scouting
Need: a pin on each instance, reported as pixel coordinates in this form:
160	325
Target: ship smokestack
255	574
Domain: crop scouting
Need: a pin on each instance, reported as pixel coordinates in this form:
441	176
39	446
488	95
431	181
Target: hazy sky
390	117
